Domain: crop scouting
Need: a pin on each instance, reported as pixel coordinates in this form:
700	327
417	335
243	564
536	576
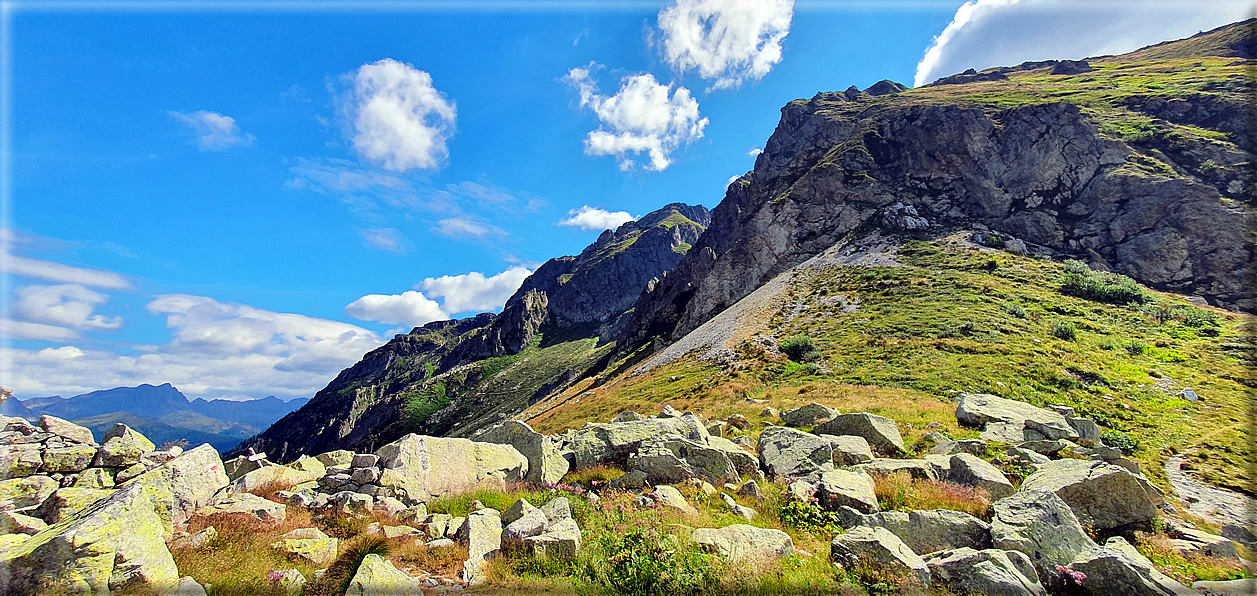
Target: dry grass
238	560
595	476
1186	568
417	558
899	491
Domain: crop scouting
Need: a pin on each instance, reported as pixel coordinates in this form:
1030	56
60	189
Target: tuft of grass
1187	568
1079	280
899	491
1065	330
594	476
239	558
800	348
336	580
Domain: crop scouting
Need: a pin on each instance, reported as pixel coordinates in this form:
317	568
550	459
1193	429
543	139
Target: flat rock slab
741	541
853	489
880	432
249	506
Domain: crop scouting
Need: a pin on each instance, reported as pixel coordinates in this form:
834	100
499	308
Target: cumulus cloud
68	305
385	239
727	42
400	121
214	131
594	219
58	272
473	291
987	33
644	116
218	350
23	330
754	152
465	228
409	308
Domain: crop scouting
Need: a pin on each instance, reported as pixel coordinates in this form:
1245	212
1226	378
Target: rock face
989	571
1040	525
1117	568
579	297
417	468
545	464
1102	495
927	531
740	541
879	546
786	452
1020	421
613	442
378	577
843	488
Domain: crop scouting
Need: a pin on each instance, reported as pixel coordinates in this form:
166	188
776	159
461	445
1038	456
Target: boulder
239	466
66	502
12	522
319	551
745	463
807	415
182	485
482	533
27	491
971	446
364	460
94	478
1021	421
659	465
19	461
376	576
920	469
672	498
751	489
116	544
291	582
1025	456
545	463
340	457
879	431
361	476
351	502
66	430
522	520
272	476
198	539
561	541
739	510
744	542
880	547
853	489
927	531
1235	587
786	452
419	468
1086	428
186	586
1118	569
989	571
612	443
557	509
971	470
440	543
122	446
708	462
628	416
849	450
1039	524
1102	495
249	507
633	479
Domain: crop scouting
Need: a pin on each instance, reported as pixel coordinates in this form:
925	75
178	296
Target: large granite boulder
122	446
880	431
786	452
613	442
1102	495
116	544
989	571
1040	525
971	470
807	415
1015	421
879	546
248	507
66	430
376	576
849	450
419	468
482	533
746	463
545	463
1118	569
928	530
27	491
744	542
839	488
65	502
273	476
20	460
184	484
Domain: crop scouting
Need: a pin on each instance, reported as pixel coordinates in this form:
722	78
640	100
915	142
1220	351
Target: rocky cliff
1136	163
455	377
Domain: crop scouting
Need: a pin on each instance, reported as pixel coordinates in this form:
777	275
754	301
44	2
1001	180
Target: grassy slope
943	323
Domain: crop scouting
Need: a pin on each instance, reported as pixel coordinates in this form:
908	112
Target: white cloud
408	308
35	331
987	33
727	42
68	305
464	228
214	131
385	239
754	152
50	271
594	219
400	121
341	176
218	350
473	291
642	117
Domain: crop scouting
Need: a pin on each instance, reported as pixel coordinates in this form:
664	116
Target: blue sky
244	202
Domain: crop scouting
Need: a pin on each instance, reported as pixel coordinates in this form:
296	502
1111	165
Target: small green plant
800	348
1080	281
809	516
1065	330
1016	310
643	562
1119	440
1135	348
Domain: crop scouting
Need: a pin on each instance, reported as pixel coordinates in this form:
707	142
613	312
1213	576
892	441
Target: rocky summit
990	335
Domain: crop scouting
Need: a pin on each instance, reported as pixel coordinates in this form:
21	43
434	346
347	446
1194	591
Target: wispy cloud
595	219
214	131
727	42
385	239
465	228
400	121
61	273
69	305
22	330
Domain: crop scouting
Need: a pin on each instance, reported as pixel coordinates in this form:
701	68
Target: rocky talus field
987	336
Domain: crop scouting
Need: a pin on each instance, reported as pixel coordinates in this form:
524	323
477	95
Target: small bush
1065	330
1080	281
1016	310
1119	440
1135	348
643	562
809	516
800	348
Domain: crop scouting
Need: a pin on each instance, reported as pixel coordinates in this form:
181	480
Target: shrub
1135	348
1065	330
645	563
1016	310
1080	281
800	348
809	516
1119	440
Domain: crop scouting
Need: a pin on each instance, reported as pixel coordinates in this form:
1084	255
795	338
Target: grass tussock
238	560
1187	568
336	580
899	491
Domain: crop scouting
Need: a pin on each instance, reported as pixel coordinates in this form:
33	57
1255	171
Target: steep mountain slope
454	377
1135	163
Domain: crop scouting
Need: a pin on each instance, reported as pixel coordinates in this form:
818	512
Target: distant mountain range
162	413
